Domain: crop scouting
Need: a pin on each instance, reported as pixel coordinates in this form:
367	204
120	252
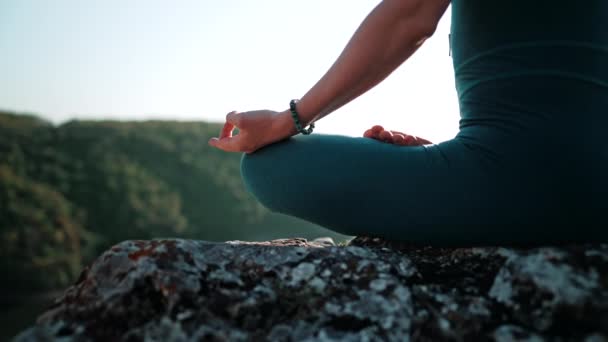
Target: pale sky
198	60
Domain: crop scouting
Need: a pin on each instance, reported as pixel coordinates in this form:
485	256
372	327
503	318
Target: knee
251	171
276	173
256	173
248	167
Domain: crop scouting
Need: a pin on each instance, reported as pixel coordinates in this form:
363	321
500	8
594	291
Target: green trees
69	192
41	235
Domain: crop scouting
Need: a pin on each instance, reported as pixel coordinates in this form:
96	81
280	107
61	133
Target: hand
393	137
256	129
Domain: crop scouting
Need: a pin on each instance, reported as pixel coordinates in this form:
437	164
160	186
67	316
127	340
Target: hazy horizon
195	60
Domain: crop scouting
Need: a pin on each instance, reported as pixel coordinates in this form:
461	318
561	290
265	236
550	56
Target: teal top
534	70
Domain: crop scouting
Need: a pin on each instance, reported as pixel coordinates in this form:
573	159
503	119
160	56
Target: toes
368	134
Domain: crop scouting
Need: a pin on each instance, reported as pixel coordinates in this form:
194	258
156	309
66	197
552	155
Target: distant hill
68	192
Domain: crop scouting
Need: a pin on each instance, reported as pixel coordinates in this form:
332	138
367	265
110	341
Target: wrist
285	125
307	111
296	119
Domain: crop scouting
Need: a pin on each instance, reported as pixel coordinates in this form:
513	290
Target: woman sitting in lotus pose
528	166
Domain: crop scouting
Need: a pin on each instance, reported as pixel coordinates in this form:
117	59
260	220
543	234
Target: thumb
228	144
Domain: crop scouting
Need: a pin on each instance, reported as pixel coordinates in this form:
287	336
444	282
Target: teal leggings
451	194
529	164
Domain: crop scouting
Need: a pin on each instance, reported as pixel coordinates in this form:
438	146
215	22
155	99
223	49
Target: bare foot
393	137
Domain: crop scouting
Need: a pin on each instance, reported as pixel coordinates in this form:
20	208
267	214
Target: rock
296	290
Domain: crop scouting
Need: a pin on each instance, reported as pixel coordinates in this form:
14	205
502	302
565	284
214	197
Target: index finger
227	130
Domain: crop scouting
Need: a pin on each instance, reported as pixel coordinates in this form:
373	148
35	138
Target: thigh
359	186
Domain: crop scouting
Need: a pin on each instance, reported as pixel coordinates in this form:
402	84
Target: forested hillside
68	192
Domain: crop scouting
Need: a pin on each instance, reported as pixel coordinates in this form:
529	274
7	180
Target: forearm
390	34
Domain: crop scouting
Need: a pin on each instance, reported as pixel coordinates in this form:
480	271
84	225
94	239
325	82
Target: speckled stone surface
298	290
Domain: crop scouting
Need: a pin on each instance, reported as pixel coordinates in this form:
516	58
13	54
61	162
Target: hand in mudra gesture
257	129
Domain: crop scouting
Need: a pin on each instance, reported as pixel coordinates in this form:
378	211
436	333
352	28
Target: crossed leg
440	194
433	194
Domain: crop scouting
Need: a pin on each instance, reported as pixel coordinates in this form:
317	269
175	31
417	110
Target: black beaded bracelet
296	119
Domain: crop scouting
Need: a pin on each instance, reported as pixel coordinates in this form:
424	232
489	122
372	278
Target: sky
200	59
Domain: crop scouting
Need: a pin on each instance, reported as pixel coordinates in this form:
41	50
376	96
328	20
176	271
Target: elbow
421	29
417	19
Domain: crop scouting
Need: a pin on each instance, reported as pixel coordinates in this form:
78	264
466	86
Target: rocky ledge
296	290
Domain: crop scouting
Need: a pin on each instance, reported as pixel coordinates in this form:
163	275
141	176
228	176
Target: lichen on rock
298	290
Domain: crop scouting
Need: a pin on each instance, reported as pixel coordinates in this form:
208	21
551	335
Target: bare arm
389	35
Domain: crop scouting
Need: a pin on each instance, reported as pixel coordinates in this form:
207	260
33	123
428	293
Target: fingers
378	133
227	130
377	129
422	141
386	136
409	141
234	118
398	139
397	132
228	144
374	132
394	137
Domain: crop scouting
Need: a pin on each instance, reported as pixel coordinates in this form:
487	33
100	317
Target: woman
529	162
